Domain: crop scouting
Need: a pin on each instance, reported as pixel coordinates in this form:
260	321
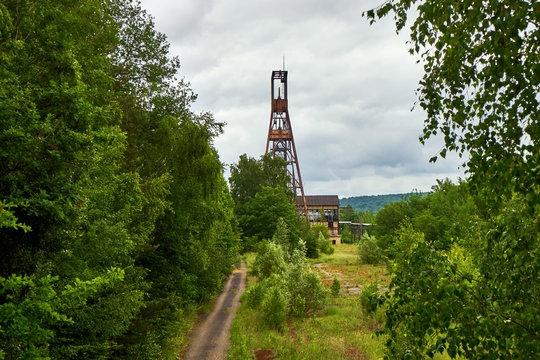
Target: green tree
480	84
130	217
369	252
265	209
60	153
250	175
346	213
191	236
388	220
480	91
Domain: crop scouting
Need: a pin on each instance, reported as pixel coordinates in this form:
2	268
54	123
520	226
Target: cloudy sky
351	88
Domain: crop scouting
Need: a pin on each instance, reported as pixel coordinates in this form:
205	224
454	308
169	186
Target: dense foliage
113	208
474	292
264	206
438	246
369	252
259	189
286	286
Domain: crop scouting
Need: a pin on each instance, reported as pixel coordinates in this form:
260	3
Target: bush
324	245
369	298
254	296
298	255
336	286
306	290
270	260
369	252
297	306
274	307
405	239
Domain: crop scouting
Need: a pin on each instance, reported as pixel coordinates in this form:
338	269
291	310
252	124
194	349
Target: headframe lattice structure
280	140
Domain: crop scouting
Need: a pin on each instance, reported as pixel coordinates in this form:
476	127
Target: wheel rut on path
210	339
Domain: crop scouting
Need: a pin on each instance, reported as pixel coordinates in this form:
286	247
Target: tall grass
342	330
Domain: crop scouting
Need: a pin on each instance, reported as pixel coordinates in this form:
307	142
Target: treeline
444	218
115	219
262	200
373	203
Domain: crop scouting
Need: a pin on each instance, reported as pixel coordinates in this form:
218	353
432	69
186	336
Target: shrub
281	236
253	297
336	286
405	239
369	298
324	245
298	255
306	290
270	260
369	252
274	307
297	306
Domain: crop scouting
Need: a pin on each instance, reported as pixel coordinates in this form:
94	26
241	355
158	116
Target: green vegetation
115	219
339	329
265	209
442	237
372	203
467	258
261	197
116	222
369	252
287	286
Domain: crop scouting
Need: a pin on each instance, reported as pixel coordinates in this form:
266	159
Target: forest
115	218
372	203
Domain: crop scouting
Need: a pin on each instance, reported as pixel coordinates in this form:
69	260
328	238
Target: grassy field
340	331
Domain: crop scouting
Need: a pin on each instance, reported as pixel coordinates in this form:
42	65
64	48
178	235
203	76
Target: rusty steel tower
280	140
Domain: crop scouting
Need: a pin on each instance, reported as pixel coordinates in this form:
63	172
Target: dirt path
211	338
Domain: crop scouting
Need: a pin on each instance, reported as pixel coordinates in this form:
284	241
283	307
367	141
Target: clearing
340	331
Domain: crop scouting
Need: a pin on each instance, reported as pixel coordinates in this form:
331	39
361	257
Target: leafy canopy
480	92
481	83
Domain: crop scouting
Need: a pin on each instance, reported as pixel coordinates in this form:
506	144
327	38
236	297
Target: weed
336	286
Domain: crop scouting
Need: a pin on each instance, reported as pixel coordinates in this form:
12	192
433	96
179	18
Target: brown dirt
292	331
210	339
355	354
264	354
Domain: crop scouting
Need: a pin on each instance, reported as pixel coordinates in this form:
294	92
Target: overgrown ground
340	331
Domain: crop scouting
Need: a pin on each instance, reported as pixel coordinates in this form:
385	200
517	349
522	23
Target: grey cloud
351	87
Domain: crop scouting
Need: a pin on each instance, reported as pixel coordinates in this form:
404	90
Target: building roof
320	200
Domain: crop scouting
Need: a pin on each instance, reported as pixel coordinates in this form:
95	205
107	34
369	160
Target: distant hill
372	203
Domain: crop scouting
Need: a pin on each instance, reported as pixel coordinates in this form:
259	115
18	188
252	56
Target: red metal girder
280	136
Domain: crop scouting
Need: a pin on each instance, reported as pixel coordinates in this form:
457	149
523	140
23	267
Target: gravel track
210	339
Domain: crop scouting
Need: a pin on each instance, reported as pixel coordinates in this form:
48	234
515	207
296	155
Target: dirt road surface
210	340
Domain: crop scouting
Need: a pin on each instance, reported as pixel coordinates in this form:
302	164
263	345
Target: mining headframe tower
280	140
318	209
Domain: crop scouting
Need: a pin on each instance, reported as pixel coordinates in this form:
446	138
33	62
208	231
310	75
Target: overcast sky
350	86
